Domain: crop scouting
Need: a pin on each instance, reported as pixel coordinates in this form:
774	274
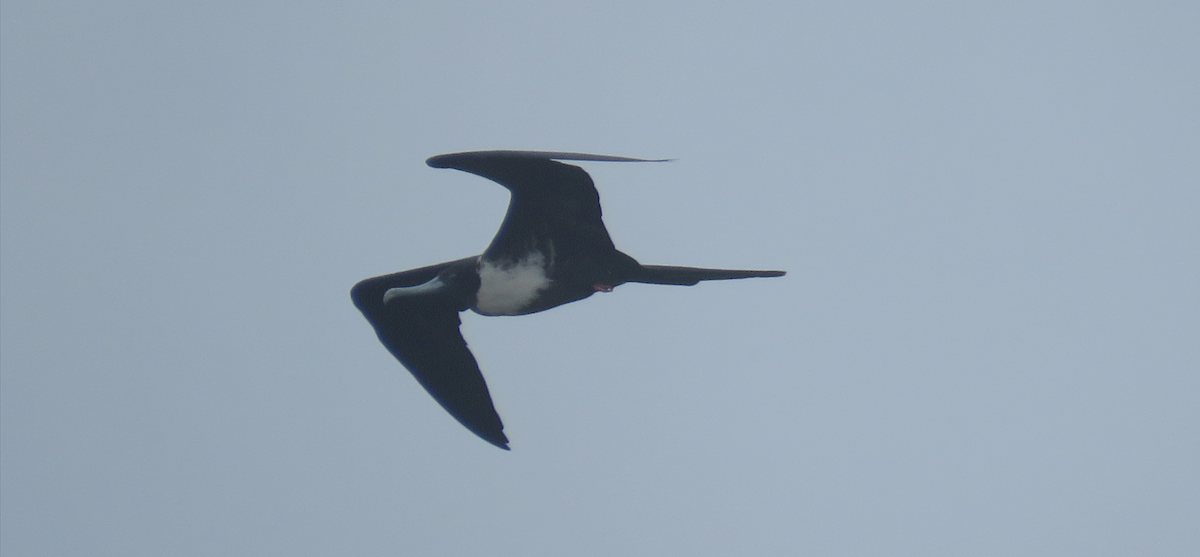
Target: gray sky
988	342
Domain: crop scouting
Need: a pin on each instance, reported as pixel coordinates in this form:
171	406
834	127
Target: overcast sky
988	342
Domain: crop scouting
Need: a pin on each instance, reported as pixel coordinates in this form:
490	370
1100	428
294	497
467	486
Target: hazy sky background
988	342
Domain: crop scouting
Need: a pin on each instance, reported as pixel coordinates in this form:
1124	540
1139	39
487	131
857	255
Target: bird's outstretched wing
689	276
423	333
549	200
450	159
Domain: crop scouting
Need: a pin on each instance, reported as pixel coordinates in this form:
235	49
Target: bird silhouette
552	249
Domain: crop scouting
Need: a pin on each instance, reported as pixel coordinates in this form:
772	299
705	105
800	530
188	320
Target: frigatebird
551	249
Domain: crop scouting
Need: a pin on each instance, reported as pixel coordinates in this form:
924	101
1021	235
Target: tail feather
688	276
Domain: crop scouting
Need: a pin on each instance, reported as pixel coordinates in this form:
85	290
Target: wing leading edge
423	333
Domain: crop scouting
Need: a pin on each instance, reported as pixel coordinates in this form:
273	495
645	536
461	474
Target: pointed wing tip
449	160
498	439
764	274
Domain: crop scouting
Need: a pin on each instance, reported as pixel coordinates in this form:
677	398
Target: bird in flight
551	249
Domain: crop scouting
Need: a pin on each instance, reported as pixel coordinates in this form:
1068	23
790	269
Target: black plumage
552	248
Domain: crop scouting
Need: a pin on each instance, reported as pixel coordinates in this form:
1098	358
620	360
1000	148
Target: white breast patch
507	289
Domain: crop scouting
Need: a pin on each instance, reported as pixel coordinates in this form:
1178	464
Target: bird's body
551	249
512	288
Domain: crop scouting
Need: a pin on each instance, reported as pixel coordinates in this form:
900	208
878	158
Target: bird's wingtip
449	160
492	433
439	161
501	441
